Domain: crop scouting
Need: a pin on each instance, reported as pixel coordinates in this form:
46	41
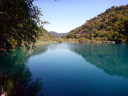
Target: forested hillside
112	25
44	35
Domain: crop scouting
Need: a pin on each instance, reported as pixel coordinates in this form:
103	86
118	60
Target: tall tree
19	21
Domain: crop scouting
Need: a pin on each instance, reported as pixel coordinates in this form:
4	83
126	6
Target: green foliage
19	21
43	34
59	41
111	25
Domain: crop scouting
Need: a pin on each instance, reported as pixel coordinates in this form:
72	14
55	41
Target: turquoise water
67	70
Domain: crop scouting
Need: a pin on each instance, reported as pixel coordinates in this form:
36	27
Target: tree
19	21
111	25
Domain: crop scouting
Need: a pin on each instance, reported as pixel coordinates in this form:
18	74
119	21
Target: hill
55	34
112	25
44	35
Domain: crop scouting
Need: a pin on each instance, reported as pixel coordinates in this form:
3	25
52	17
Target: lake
66	70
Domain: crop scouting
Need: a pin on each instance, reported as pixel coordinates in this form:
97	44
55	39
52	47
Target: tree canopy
111	25
19	23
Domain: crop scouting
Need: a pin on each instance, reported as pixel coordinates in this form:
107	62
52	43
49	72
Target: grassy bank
57	40
64	40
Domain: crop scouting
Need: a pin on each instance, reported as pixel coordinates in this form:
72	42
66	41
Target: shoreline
76	41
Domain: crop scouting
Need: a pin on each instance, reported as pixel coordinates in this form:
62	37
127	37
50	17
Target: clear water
69	70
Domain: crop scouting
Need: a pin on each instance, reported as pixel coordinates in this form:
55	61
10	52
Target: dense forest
112	25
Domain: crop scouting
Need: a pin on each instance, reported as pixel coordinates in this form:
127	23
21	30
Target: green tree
111	25
19	21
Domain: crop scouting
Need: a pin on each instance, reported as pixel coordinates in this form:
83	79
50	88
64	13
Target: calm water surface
67	70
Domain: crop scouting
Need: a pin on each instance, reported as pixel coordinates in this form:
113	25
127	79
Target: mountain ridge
55	34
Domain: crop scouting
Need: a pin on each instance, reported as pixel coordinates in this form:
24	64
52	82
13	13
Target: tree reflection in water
21	83
15	77
112	58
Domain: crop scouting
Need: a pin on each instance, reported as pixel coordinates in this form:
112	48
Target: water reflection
15	77
113	59
62	73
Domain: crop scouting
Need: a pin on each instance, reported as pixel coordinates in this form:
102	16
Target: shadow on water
113	58
15	77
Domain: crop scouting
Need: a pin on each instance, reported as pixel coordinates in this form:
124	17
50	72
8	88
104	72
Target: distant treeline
112	25
55	34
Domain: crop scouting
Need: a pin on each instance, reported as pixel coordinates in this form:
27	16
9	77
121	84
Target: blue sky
65	15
